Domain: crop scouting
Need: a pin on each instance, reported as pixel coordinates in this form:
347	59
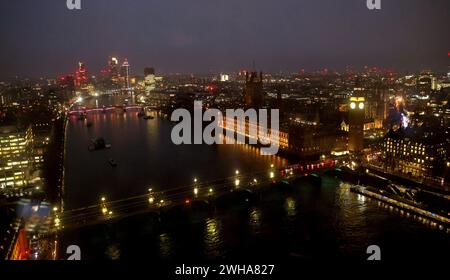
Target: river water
313	221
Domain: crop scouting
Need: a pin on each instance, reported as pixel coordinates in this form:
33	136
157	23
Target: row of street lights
155	199
237	181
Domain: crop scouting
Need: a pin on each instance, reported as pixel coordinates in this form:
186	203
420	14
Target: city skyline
201	37
235	132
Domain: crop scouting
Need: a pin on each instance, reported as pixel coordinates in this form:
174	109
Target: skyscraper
126	68
113	71
81	76
149	80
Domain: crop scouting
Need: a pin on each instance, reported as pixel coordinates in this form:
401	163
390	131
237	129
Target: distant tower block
81	76
149	80
224	77
356	124
253	91
113	70
126	67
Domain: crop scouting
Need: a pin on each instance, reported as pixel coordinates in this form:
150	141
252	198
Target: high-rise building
149	80
224	77
16	147
41	139
81	76
426	83
126	73
253	90
113	69
356	117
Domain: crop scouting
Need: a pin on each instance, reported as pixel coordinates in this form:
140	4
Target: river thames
312	221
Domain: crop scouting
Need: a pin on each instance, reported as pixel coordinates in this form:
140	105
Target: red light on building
21	249
80	75
211	88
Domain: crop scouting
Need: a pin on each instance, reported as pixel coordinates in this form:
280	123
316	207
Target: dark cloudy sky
43	37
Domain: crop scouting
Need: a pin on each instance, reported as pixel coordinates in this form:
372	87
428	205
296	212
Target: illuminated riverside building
303	141
356	117
16	147
41	140
414	151
282	139
314	141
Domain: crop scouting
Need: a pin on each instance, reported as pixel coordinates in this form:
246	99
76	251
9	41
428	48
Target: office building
16	145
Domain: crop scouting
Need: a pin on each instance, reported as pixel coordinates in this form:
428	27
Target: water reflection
212	236
145	155
255	219
165	245
113	251
290	206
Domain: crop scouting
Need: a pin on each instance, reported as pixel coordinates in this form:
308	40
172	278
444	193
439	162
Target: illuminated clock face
361	105
353	105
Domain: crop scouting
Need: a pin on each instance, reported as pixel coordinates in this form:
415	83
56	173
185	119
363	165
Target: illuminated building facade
356	117
377	106
282	139
303	141
81	76
21	248
224	77
149	80
426	83
113	69
16	147
126	74
414	151
41	140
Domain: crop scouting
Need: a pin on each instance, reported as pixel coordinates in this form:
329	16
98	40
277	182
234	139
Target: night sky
41	38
